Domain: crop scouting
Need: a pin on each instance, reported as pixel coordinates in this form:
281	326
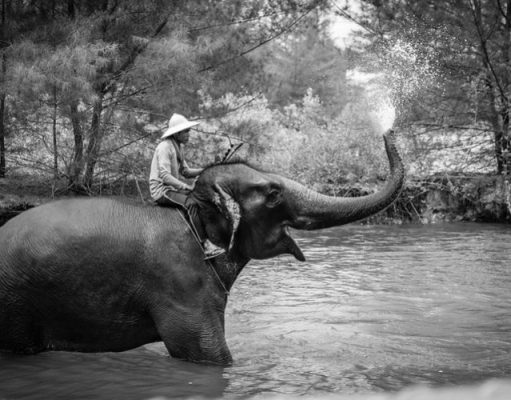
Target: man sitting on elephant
168	164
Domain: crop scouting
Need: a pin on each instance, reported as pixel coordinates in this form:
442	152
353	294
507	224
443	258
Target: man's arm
188	172
165	158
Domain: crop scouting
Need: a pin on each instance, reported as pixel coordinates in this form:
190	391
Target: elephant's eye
273	198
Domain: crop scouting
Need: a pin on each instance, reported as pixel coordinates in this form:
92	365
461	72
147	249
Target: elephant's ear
229	208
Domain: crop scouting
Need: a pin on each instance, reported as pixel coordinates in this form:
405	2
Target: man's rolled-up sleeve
188	172
165	160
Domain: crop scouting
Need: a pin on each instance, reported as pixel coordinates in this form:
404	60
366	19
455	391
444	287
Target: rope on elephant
196	236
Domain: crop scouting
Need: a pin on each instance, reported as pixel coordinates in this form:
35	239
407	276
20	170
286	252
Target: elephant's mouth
290	246
275	243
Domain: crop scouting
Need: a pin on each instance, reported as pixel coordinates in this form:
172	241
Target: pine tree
3	72
469	43
307	59
85	67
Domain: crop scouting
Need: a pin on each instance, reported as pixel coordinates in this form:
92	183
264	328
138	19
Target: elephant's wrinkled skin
101	274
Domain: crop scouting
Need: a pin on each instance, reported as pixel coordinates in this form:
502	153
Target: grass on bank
438	198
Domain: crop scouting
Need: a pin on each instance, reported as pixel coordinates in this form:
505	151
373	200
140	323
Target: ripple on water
373	308
380	308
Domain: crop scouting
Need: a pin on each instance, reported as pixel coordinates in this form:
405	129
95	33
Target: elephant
105	274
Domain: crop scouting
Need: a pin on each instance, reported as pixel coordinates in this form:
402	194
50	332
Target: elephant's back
84	227
78	243
88	214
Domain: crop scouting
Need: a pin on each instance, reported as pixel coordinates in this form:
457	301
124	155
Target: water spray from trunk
383	114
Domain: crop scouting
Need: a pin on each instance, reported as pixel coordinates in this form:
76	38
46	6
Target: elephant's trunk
312	210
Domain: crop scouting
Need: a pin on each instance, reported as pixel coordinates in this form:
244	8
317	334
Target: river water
374	308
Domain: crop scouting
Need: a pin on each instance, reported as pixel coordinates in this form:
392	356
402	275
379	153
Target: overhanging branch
262	43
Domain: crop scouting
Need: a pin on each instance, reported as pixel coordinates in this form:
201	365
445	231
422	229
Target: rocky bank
439	198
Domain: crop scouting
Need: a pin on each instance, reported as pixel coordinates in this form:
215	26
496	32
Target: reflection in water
372	309
138	374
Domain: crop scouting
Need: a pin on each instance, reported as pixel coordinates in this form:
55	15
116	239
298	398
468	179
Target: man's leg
172	199
178	200
210	249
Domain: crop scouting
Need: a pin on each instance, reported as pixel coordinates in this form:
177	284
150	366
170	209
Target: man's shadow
137	374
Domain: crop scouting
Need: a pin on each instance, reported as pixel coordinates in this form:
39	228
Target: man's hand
187	188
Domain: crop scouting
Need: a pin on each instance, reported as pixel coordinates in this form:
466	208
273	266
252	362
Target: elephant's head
248	212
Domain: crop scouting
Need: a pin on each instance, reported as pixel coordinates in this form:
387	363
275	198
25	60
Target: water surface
374	308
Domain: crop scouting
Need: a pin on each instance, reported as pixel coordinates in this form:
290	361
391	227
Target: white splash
383	115
382	112
405	71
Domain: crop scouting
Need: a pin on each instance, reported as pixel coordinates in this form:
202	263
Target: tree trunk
2	98
2	137
54	132
506	138
497	83
502	144
94	145
498	150
76	167
506	154
498	122
96	133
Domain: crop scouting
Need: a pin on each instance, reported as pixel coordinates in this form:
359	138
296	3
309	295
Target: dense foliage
463	49
87	86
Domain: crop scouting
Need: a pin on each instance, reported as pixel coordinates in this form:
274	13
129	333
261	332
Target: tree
3	70
304	59
87	65
469	43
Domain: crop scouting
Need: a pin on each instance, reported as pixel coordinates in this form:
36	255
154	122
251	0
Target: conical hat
178	123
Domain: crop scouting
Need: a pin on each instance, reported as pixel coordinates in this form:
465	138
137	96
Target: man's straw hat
178	123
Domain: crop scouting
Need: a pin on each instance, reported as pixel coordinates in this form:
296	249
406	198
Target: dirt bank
439	198
443	198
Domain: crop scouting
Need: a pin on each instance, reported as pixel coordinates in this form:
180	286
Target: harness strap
191	225
196	236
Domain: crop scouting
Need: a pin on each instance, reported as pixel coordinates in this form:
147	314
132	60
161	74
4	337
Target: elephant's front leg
198	338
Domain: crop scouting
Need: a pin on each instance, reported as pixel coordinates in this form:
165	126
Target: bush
300	141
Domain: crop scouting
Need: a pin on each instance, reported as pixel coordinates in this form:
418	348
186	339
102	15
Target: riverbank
453	198
441	198
18	194
434	199
21	192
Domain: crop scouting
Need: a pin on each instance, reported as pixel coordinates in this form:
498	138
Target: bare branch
476	13
242	21
262	43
